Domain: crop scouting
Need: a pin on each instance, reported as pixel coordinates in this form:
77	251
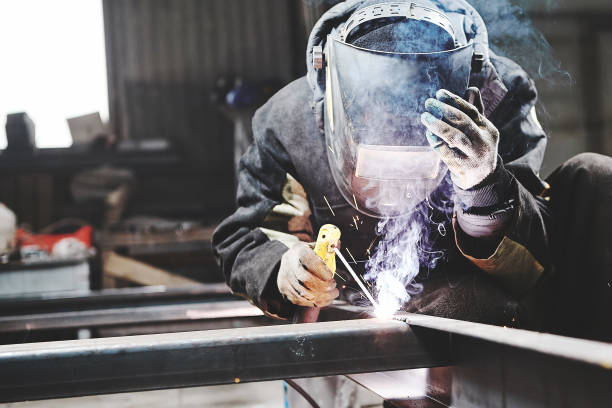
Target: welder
406	110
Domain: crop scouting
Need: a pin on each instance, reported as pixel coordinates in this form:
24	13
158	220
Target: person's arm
267	231
500	223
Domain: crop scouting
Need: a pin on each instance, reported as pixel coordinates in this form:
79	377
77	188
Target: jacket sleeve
272	214
519	254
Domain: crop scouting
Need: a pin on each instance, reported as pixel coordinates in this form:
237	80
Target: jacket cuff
490	192
484	226
270	300
485	211
511	263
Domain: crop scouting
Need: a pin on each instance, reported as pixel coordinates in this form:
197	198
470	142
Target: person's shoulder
514	77
522	94
286	107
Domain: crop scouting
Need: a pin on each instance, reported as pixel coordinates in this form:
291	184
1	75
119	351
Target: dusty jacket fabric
285	186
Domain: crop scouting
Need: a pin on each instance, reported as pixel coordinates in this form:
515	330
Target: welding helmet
374	96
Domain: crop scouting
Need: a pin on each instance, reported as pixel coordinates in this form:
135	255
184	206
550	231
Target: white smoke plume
395	263
406	246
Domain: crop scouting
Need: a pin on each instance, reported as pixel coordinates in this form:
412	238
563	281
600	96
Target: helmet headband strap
410	11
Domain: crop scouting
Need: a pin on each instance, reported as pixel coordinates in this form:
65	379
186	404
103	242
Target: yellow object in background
327	242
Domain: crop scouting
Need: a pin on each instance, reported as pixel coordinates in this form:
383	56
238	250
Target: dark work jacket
285	178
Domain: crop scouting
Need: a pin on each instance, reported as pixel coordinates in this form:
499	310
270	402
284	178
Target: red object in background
46	242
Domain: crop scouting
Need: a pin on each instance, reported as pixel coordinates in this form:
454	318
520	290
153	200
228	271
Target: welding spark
370	247
332	150
351	255
340	276
330	208
355	200
356	223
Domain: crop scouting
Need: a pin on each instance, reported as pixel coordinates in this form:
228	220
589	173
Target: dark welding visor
378	153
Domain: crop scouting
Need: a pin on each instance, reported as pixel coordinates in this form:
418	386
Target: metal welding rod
354	275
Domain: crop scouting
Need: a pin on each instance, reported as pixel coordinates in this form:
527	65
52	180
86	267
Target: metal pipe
110	365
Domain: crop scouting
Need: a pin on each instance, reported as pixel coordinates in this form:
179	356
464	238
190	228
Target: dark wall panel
165	55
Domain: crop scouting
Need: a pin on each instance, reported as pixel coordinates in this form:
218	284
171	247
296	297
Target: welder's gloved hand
465	139
304	279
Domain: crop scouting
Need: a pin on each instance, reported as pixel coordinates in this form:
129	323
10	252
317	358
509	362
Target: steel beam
102	366
106	298
121	316
566	348
491	366
495	366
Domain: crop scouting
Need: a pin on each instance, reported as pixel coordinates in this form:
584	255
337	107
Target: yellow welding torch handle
325	248
327	242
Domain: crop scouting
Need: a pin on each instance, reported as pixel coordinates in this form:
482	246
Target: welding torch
327	242
327	247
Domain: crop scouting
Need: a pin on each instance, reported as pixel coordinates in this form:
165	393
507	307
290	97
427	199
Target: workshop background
141	193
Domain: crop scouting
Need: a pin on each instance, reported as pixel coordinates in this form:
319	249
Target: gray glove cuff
491	192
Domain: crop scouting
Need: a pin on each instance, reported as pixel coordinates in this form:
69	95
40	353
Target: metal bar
584	351
496	374
499	367
141	311
51	303
492	366
101	366
130	315
407	388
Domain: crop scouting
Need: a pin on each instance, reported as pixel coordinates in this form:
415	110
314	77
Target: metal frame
496	366
487	365
128	311
51	303
110	365
121	316
484	365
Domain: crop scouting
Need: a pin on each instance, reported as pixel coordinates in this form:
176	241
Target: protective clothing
287	190
466	140
304	279
379	159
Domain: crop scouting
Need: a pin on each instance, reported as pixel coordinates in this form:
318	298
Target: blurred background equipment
239	103
20	133
86	130
57	260
8	230
64	240
105	185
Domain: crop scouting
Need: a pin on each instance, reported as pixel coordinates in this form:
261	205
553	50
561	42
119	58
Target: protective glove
304	279
465	139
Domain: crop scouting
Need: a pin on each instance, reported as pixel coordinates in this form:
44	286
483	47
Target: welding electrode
325	248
